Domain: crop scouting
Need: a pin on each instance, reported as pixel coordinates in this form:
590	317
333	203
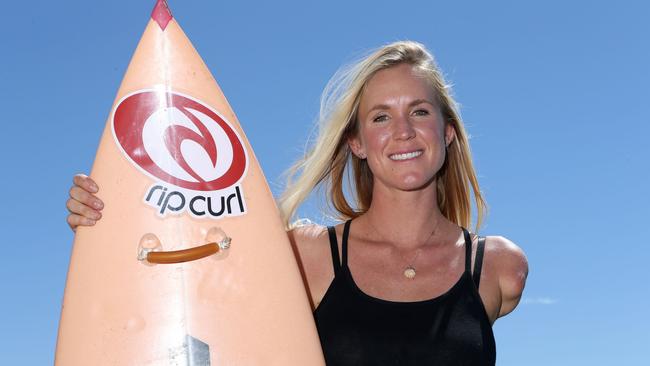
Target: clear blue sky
555	94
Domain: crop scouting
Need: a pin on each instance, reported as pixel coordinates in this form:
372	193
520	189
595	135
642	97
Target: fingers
85	182
77	220
78	208
83	205
81	214
80	192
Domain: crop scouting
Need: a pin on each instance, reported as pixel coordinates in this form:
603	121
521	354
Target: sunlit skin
403	137
398	114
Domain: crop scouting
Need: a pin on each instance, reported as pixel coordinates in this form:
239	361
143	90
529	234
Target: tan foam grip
185	255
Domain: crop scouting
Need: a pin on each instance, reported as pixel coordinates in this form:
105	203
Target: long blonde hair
327	159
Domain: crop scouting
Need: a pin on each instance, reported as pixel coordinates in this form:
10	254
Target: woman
401	281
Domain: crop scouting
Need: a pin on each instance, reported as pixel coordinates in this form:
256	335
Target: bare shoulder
309	239
312	250
308	231
511	269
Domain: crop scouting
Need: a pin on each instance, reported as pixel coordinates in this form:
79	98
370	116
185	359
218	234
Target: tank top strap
334	246
468	250
344	247
478	261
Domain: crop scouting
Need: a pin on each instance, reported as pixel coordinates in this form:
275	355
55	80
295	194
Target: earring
362	156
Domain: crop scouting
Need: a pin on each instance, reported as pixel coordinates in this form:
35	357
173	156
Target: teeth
405	156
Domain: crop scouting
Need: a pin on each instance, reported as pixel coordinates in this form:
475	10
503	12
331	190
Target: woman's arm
511	269
311	246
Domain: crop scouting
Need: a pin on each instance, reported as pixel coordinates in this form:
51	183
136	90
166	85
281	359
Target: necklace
409	271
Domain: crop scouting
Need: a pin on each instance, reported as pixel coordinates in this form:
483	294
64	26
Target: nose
403	128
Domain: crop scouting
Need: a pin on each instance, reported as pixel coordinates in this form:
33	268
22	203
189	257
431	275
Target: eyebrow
415	102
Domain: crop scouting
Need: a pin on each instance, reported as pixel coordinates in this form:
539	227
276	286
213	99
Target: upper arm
511	269
311	247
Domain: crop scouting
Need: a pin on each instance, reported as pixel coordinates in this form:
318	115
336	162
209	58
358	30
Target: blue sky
555	95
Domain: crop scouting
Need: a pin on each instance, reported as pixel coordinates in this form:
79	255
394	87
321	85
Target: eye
421	112
380	118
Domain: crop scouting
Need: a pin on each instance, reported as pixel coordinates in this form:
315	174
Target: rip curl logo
192	151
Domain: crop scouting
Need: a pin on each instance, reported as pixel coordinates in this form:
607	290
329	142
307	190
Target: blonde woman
400	281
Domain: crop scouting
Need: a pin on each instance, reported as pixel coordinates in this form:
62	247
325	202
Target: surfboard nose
161	14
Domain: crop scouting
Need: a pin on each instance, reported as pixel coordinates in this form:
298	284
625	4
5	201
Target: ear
357	147
450	134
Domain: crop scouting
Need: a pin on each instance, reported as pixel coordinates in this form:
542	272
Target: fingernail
94	187
90	222
98	205
96	215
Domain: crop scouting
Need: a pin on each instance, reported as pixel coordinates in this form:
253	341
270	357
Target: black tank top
358	329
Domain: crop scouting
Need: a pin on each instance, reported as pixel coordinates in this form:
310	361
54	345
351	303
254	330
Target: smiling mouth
405	156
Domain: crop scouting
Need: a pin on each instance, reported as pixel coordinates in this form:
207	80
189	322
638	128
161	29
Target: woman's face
401	130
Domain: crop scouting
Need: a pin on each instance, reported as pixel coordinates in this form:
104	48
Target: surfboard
190	263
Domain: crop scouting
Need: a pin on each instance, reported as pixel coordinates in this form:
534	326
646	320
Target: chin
412	183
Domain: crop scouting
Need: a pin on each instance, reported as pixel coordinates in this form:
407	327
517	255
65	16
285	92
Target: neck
406	219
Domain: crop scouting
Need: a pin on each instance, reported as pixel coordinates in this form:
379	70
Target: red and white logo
179	140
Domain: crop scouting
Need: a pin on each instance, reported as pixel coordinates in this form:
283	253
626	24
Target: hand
83	205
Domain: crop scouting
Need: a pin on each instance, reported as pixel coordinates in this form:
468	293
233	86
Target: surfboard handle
185	255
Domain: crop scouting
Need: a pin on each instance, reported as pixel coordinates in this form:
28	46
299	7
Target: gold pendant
409	272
